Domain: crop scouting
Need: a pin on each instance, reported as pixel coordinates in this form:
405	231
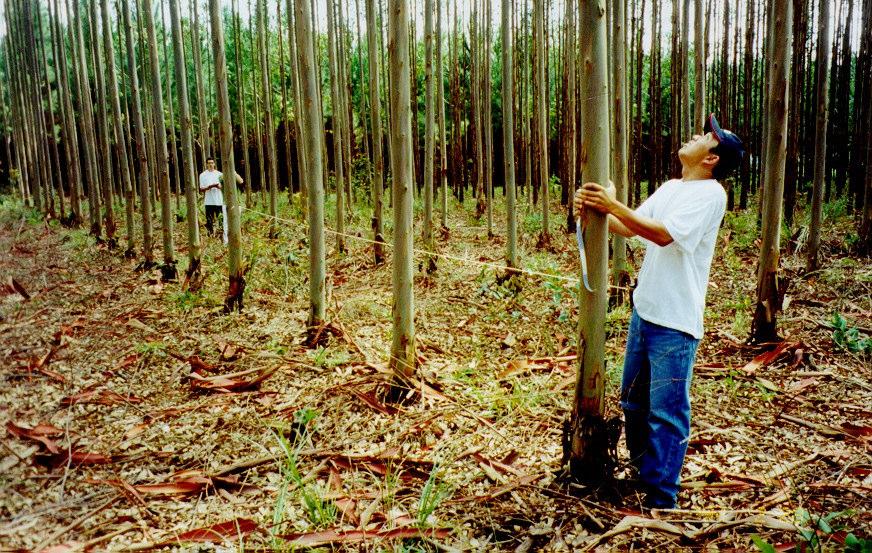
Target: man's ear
711	160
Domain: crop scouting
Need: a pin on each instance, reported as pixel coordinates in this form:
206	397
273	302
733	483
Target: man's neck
695	173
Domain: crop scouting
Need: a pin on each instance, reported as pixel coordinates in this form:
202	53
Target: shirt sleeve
688	222
203	184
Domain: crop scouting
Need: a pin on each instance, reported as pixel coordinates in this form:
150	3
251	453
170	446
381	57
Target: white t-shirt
213	196
674	279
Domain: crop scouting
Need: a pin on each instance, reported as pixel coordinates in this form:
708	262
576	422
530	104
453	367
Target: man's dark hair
729	161
208	159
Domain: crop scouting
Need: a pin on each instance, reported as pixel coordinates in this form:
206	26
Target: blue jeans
655	397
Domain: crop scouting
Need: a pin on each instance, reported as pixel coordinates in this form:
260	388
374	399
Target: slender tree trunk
312	128
202	118
86	113
51	137
377	140
139	141
540	99
770	289
168	269
402	361
487	126
620	274
286	122
173	147
699	41
240	105
587	441
266	91
301	166
235	269
686	123
429	135
820	142
568	146
440	102
508	137
338	123
193	273
102	129
117	118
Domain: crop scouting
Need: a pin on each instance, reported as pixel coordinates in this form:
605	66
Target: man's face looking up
210	165
697	148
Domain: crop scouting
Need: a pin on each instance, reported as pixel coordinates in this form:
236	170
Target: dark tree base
764	326
168	272
193	276
129	253
146	265
590	449
234	294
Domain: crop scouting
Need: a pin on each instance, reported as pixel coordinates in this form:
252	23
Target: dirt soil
139	416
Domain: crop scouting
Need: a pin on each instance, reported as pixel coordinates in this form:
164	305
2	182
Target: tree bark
168	269
508	137
540	99
202	119
312	128
820	139
770	290
240	105
402	361
338	120
193	273
620	274
236	271
587	441
429	135
377	184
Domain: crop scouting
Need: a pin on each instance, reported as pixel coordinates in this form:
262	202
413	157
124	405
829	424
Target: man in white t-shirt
679	224
210	184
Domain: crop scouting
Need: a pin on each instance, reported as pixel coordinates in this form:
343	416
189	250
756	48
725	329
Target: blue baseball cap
730	148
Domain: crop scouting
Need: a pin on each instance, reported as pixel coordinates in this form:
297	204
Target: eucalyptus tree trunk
347	113
620	274
820	138
284	89
402	361
338	124
173	148
140	146
475	109
568	148
724	93
747	120
440	102
236	271
487	124
202	118
240	106
540	100
295	76
102	128
168	269
53	142
770	289
587	441
256	119
117	118
193	273
312	128
686	123
429	135
378	160
92	175
699	69
508	137
266	88
675	79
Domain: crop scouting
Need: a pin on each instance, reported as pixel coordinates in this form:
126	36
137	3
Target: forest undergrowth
138	415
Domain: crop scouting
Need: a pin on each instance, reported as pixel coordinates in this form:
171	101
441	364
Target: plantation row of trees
111	109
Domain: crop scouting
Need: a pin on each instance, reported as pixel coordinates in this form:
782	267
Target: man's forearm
646	227
617	227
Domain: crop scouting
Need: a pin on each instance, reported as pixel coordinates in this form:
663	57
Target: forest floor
138	415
